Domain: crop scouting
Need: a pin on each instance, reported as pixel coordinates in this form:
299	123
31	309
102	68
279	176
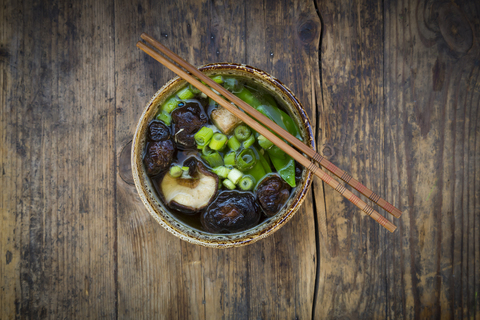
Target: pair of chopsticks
257	126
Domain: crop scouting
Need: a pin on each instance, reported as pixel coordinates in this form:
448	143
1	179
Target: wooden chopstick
262	130
283	133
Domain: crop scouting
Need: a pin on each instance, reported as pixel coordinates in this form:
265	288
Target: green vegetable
275	151
218	79
257	171
176	171
229	159
264	142
265	161
269	109
212	157
249	142
203	136
235	175
285	166
242	132
193	89
219	140
233	143
228	184
246	183
245	159
169	105
165	117
185	93
232	84
221	171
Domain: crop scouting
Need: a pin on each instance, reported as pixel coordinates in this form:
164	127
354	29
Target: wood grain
195	282
424	67
58	205
392	88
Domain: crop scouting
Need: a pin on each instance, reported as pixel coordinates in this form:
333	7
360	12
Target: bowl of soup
206	176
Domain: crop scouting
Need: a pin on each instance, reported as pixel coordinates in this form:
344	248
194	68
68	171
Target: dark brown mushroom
159	156
187	121
232	211
272	193
193	194
158	131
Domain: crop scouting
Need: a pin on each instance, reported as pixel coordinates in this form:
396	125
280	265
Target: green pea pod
291	125
285	167
269	109
264	160
257	172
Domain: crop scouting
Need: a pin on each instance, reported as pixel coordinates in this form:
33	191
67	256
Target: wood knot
125	165
307	31
455	28
328	151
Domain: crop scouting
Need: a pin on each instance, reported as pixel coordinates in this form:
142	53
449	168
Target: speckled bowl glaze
146	189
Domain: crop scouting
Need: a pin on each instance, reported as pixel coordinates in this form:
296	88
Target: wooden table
392	89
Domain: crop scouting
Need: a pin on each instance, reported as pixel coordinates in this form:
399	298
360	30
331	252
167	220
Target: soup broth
213	172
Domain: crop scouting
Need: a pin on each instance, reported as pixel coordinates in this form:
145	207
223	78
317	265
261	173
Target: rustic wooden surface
392	89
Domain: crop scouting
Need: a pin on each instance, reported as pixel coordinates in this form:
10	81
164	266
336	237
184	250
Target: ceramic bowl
147	191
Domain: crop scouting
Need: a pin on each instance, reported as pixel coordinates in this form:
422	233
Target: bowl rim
221	240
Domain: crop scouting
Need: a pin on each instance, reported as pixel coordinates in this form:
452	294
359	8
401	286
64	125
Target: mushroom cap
190	195
232	211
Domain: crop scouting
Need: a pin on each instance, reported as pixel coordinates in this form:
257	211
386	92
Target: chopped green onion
235	175
212	103
193	89
185	93
165	117
212	157
203	136
246	183
176	171
217	79
249	142
221	171
169	105
228	184
233	143
219	140
242	132
229	159
264	142
231	84
245	159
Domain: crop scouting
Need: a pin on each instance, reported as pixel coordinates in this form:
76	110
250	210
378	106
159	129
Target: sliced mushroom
232	211
190	195
272	193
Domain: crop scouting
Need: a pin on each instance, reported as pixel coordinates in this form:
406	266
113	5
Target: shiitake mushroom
232	211
187	121
272	193
158	131
159	156
189	194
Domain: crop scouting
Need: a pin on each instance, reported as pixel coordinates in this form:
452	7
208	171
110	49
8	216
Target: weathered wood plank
57	160
351	134
432	98
272	278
